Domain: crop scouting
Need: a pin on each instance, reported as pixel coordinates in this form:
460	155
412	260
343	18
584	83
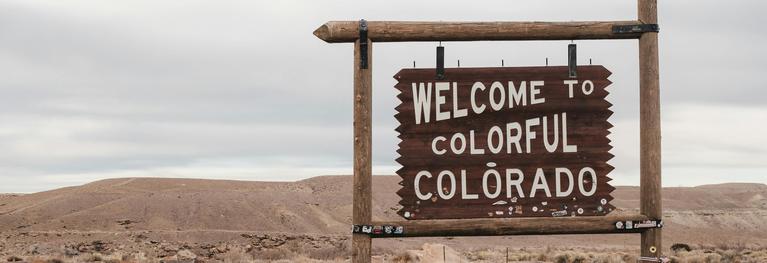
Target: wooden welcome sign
504	142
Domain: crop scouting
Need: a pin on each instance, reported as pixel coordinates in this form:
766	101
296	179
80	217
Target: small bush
404	257
680	247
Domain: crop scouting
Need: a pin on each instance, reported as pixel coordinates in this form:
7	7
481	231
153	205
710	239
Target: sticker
399	230
501	203
544	203
377	230
559	213
490	214
367	229
500	213
535	209
600	209
511	209
619	225
603	201
514	199
388	230
572	214
434	199
518	209
407	214
356	229
649	224
653	249
629	225
580	211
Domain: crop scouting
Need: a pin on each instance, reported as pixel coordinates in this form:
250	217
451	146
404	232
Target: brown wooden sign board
504	143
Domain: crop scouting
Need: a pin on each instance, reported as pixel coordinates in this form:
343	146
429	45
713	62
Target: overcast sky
243	90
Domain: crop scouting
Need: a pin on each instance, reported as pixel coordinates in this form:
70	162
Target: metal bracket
363	44
572	61
638	28
631	225
440	62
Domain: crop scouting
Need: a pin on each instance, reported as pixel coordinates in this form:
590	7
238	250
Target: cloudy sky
243	90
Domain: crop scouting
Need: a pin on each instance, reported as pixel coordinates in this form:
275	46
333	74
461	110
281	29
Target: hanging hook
363	28
440	61
572	61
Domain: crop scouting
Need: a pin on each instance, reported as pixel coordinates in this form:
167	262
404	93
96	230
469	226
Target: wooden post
650	136
363	104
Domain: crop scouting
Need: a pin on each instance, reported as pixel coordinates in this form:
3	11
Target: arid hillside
155	210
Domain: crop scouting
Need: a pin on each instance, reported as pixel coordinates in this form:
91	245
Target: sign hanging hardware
363	44
572	60
440	61
638	28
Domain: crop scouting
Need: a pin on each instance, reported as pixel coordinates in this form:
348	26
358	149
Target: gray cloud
242	89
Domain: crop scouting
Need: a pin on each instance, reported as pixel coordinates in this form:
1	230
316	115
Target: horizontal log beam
513	226
401	31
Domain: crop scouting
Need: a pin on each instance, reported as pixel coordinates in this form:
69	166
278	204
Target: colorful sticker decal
619	225
399	230
388	230
559	213
367	229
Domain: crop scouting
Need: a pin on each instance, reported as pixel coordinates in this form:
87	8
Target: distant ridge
320	205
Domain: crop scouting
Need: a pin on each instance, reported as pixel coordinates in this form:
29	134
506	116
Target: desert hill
195	210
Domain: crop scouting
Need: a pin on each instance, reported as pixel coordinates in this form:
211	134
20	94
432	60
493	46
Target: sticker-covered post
650	137
363	104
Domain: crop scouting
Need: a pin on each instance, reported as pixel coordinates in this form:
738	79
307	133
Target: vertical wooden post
650	136
363	104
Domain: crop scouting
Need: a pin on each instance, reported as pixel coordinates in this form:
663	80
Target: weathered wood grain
513	226
399	31
363	171
650	132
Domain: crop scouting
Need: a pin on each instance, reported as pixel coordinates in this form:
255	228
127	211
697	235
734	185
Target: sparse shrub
480	255
680	247
404	257
272	254
570	257
327	253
